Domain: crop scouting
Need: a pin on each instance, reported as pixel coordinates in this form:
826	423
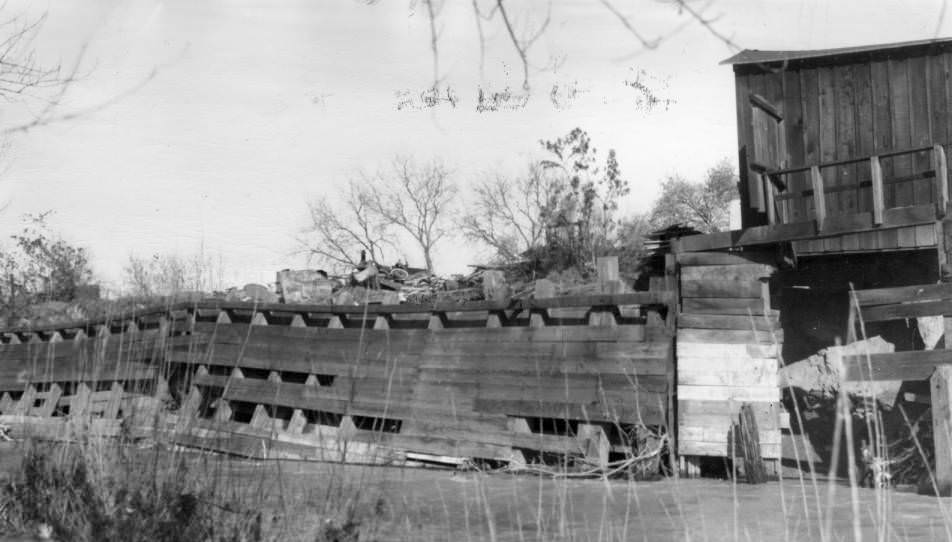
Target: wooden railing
781	193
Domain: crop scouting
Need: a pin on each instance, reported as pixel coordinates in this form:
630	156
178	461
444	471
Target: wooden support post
347	428
49	403
297	423
259	319
544	289
25	405
111	411
770	192
223	318
335	322
57	337
298	321
312	381
381	322
754	468
436	321
79	403
223	410
941	180
260	419
819	197
274	376
495	319
941	388
594	443
876	170
6	403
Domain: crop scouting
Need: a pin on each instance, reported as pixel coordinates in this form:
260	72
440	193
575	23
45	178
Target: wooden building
844	185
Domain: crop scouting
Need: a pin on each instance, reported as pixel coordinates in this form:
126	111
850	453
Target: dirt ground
296	498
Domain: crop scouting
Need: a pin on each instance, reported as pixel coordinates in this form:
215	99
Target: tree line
562	211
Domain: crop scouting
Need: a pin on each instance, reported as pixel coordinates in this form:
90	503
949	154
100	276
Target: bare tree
414	198
171	274
522	30
507	214
704	205
339	231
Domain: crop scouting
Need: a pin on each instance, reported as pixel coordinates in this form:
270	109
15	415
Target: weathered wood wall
842	107
727	353
584	376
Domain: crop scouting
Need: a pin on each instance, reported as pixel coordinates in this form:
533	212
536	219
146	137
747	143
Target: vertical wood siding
848	110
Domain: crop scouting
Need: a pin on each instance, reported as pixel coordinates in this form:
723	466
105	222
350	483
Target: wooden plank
909	365
757	235
864	131
878	202
754	468
904	294
729	393
941	180
720	288
795	209
909	216
728	336
722	412
920	129
827	143
702	372
727	321
845	126
901	128
726	306
708	433
819	199
809	89
907	310
692	259
719	350
719	449
882	121
649	409
727	272
941	392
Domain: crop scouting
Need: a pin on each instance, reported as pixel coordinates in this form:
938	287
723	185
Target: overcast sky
258	106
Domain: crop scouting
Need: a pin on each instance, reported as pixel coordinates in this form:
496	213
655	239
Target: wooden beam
909	365
770	191
941	180
901	311
819	197
941	390
904	294
877	174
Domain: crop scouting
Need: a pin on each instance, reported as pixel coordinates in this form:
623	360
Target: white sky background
258	106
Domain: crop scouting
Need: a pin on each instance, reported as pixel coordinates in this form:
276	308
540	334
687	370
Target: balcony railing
861	196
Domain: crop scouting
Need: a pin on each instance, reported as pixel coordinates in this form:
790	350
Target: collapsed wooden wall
727	354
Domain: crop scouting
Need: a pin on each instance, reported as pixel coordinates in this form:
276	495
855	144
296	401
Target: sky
224	118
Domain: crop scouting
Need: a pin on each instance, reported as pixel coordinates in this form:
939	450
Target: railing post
771	198
876	170
819	196
941	179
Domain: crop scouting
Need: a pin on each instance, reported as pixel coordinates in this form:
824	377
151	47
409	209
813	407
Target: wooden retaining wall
586	376
727	354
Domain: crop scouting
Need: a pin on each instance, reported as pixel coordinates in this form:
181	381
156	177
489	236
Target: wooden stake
754	467
941	388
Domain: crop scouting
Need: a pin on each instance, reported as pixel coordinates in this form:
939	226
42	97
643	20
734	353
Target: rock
821	373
